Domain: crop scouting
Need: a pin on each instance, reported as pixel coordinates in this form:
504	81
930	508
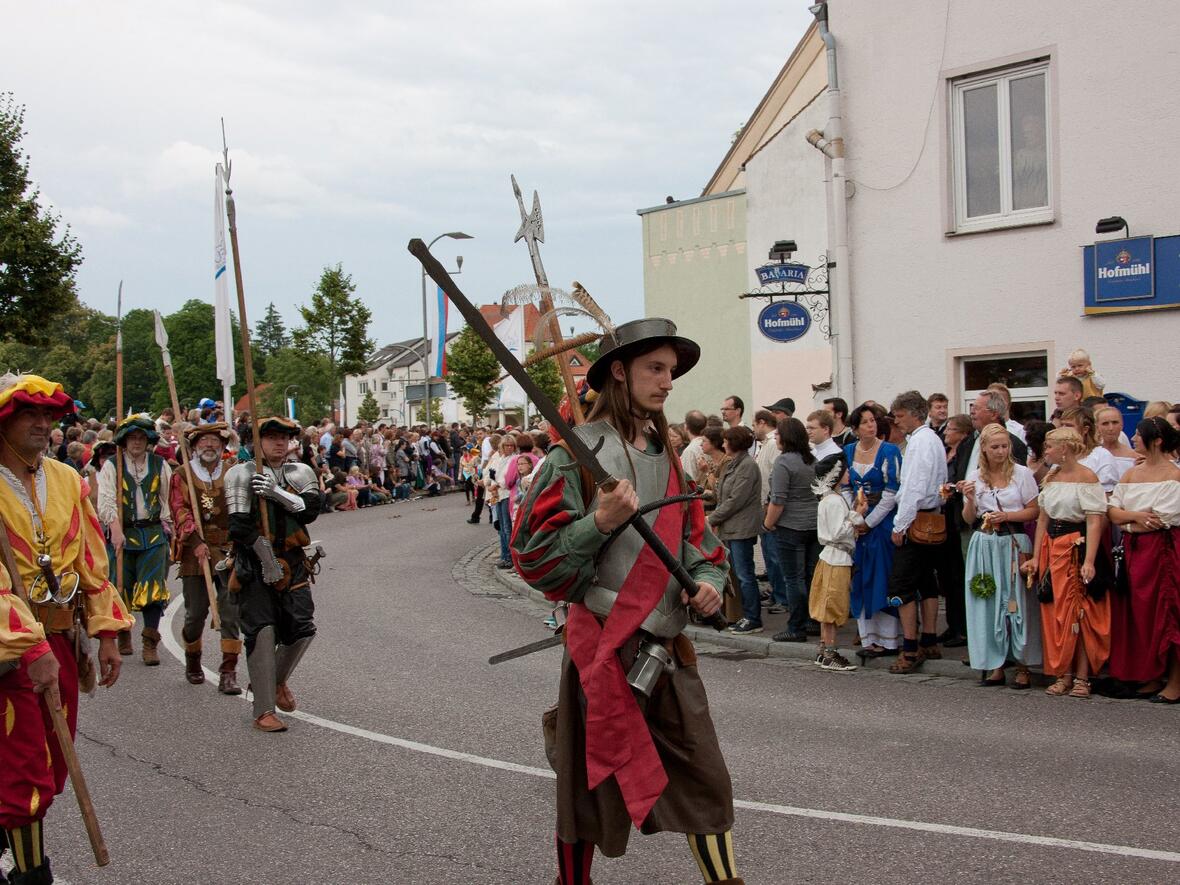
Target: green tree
590	352
270	334
37	267
336	325
472	370
547	376
310	373
436	416
369	410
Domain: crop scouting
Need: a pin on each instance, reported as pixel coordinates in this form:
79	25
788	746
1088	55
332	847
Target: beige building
700	254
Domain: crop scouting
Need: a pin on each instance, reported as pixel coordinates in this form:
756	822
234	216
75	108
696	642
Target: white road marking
173	647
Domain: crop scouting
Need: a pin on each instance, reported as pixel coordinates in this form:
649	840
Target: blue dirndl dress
873	559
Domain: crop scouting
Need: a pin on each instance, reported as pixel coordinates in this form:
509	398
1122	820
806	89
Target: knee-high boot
287	659
227	682
260	662
192	663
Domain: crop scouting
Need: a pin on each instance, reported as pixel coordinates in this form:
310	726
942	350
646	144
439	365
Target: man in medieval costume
43	656
623	757
139	518
272	567
193	548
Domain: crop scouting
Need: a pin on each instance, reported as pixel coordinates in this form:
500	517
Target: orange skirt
1072	615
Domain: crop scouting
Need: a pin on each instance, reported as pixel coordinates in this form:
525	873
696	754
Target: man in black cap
784	408
629	756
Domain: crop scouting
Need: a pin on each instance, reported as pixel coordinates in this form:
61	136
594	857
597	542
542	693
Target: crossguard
49	587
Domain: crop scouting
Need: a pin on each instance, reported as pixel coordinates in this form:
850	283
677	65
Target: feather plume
827	482
543	336
580	295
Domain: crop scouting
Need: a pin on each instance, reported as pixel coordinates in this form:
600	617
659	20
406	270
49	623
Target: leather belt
144	523
1057	528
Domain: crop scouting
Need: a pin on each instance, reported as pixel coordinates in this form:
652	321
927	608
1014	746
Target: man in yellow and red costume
46	513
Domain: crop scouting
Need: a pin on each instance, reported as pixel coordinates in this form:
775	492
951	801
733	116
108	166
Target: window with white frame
362	386
1026	375
1001	145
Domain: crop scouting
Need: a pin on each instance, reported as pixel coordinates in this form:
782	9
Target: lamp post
454	235
405	381
289	400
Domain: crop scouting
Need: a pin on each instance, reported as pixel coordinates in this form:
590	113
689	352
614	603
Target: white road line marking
173	647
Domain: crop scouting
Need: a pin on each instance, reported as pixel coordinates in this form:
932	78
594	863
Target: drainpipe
831	143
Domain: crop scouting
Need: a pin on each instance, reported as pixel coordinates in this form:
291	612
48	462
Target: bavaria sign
784	321
783	273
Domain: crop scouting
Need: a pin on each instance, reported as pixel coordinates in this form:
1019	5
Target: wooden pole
61	728
231	214
118	450
194	505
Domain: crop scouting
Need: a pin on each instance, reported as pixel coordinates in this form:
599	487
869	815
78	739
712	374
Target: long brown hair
613	405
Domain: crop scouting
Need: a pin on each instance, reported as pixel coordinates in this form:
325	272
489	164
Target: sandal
1081	689
906	663
1022	680
1060	687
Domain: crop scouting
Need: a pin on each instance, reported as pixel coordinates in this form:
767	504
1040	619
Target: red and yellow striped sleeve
21	637
104	608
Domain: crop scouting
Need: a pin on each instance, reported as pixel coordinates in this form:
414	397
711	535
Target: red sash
618	741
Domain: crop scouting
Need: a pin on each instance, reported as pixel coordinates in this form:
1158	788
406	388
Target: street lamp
454	235
290	400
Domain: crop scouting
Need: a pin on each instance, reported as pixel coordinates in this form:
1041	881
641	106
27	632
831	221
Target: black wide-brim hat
132	423
642	336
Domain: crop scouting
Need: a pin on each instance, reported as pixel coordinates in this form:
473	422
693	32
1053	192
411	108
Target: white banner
222	326
510	330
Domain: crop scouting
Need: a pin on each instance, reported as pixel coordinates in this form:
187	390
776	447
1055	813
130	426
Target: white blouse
1072	501
1021	489
1161	497
1102	463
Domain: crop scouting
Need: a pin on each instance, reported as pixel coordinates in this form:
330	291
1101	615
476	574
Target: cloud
95	218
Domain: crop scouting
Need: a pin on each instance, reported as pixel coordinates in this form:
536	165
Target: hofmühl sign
1137	273
784	321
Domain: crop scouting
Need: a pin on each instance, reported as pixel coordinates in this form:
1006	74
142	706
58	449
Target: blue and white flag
436	333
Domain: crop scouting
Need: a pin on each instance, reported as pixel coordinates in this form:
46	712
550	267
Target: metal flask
651	663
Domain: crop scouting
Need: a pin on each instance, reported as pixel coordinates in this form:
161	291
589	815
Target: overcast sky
356	126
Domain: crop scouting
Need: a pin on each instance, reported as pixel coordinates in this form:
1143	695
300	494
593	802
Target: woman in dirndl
1145	628
1075	609
1003	617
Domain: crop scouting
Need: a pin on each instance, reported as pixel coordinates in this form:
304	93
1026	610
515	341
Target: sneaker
837	662
821	657
744	626
551	622
788	636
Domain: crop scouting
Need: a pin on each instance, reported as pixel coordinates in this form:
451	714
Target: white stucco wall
785	201
918	294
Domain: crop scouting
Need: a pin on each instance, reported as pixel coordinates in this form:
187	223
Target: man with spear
52	543
139	516
607	528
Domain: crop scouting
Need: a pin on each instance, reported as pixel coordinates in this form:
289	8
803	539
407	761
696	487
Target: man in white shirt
990	407
938	409
923	473
694	423
768	452
819	426
841	432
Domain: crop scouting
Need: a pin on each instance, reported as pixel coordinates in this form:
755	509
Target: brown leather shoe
930	653
151	638
270	722
284	699
192	667
125	643
227	682
906	663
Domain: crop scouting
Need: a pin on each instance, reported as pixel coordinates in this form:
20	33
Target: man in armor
139	518
206	470
275	601
51	529
628	756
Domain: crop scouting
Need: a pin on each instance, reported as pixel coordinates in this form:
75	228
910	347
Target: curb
755	646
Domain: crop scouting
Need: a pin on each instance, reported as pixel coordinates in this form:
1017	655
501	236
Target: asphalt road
418	763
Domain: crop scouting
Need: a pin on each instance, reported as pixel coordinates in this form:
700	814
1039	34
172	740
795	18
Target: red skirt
34	770
1145	624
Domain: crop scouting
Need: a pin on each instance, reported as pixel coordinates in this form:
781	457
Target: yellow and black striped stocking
27	847
714	855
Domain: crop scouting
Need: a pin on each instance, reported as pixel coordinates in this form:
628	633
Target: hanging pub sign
783	273
784	321
1137	273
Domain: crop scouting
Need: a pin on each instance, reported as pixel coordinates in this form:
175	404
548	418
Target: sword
581	452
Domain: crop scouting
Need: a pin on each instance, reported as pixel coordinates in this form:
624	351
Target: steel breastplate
649	474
